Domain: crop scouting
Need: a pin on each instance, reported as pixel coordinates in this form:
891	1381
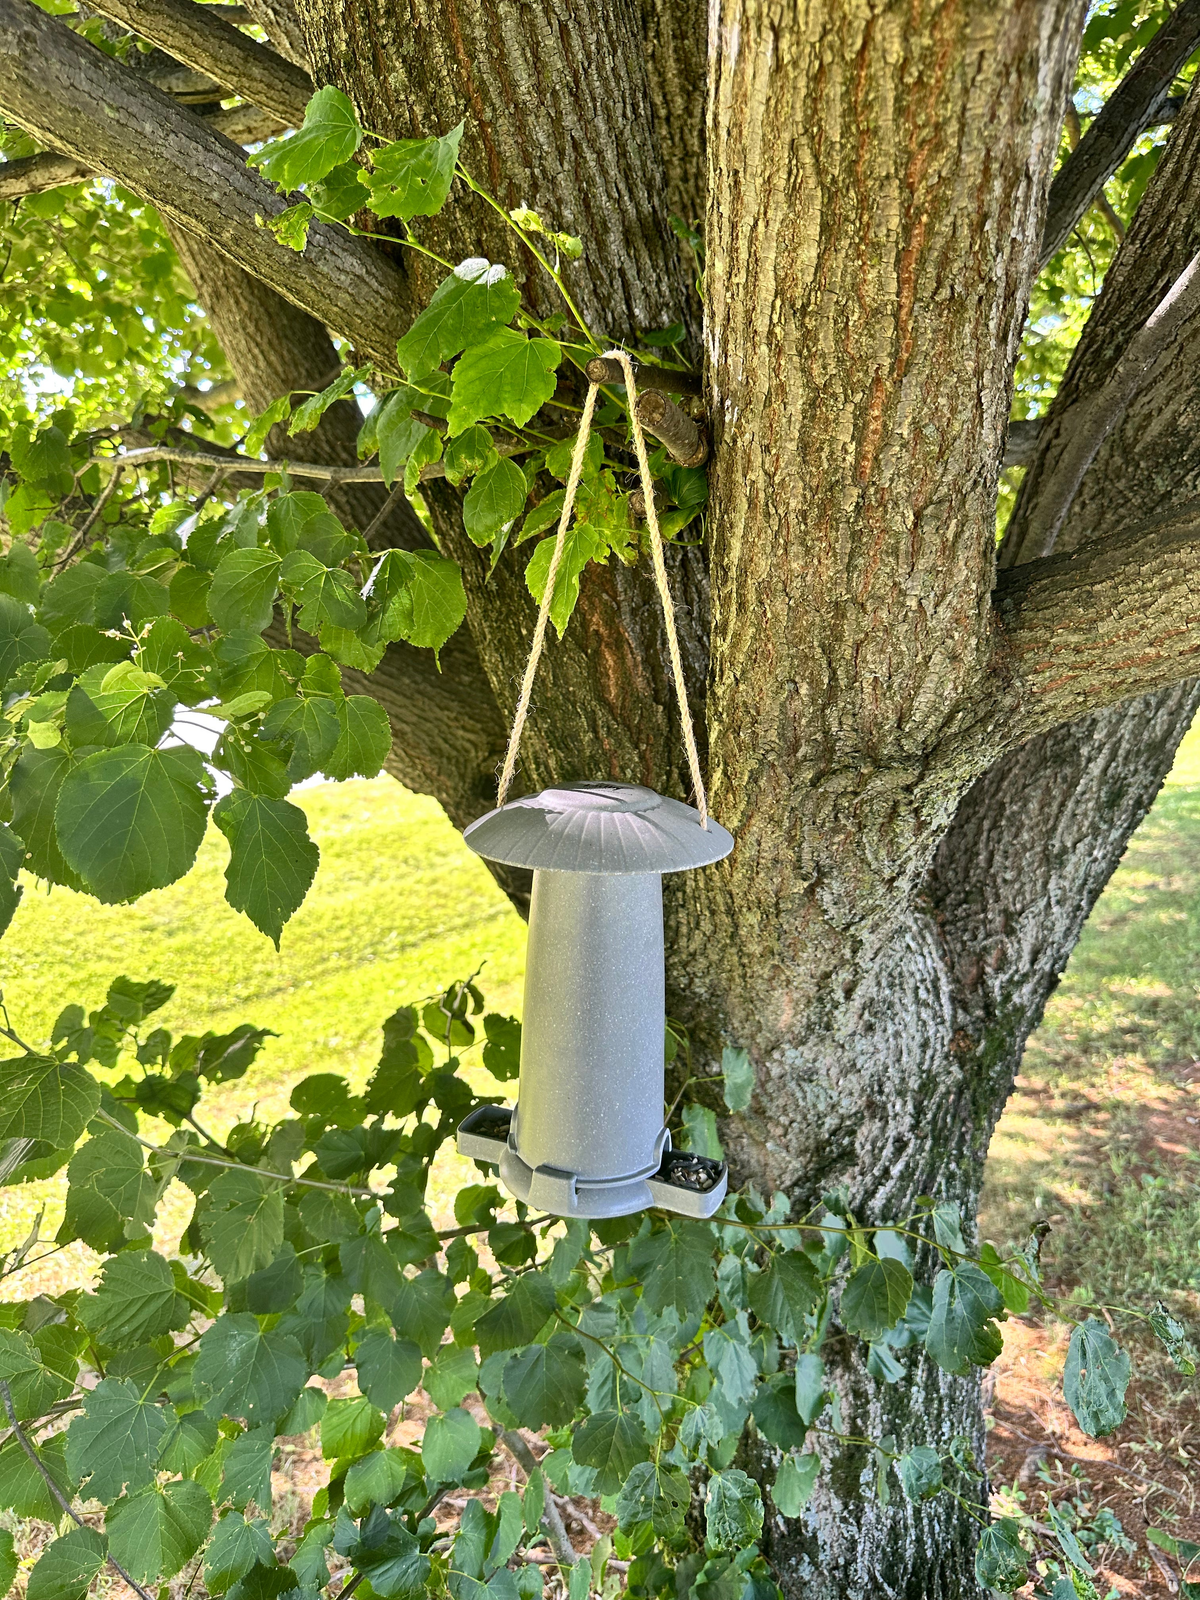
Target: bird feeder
587	1137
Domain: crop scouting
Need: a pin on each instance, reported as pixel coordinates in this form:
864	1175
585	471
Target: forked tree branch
1086	425
213	46
86	105
1136	104
1113	619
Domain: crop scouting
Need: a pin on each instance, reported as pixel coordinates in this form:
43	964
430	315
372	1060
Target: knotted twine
660	578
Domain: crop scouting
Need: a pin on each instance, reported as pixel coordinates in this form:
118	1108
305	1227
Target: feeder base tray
688	1184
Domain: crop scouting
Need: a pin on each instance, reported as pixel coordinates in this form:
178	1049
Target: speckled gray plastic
587	1136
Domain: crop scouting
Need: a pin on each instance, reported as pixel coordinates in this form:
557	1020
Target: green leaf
812	1391
131	819
451	1442
328	136
121	704
507	375
376	1480
325	594
43	458
421	1309
308	415
290	226
389	1369
738	1072
437	597
246	1468
657	1494
190	1439
136	1302
728	1353
1069	1544
114	1445
733	1512
350	1428
8	1561
310	727
65	1569
35	783
451	1376
795	1482
612	1442
472	451
302	520
236	1546
1015	1293
466	306
23	1489
519	1317
155	1532
775	1415
1095	1377
398	432
1000	1562
544	1384
242	1225
247	1372
272	860
33	1384
339	194
920	1472
784	1294
365	739
109	1186
256	435
412	177
502	1052
21	638
580	544
961	1331
875	1297
41	1098
676	1268
243	589
390	1557
494	501
1175	1339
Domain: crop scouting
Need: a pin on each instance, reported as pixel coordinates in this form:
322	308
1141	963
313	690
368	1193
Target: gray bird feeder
587	1138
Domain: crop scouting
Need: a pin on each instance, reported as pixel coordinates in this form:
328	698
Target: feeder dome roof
598	827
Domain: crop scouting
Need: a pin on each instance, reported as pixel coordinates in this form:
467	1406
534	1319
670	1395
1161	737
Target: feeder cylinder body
592	1061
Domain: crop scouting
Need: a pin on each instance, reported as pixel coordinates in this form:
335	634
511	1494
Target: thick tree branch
88	106
1113	619
213	46
244	124
1084	428
1136	104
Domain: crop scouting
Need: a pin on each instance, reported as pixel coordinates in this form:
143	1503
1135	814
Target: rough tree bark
900	901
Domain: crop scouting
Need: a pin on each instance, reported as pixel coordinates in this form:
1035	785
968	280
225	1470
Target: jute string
660	578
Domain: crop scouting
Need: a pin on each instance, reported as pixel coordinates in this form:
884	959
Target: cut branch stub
602	369
687	441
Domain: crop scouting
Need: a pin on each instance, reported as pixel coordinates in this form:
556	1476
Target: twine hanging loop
660	578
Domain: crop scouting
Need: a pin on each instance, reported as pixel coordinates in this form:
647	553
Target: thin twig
96	512
385	510
6	1396
552	1521
297	469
